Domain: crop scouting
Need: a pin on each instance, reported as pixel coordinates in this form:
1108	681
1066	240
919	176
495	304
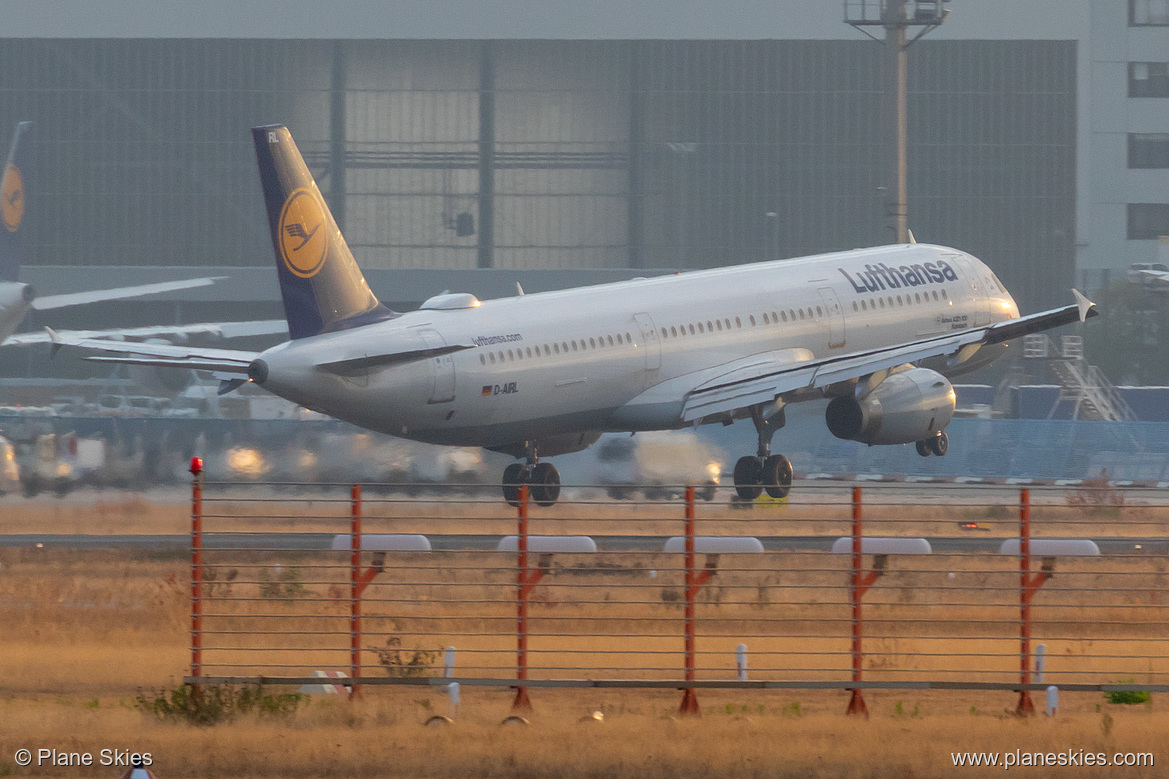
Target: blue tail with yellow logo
13	203
322	287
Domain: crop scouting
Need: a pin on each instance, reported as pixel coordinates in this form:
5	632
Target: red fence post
196	568
856	704
1026	590
521	701
689	705
355	588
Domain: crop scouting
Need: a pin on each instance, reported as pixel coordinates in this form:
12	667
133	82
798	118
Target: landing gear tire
923	448
749	478
777	476
513	476
545	481
940	444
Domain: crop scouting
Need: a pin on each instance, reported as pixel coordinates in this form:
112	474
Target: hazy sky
600	19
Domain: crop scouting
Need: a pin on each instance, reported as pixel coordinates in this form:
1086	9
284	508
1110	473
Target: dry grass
809	513
383	736
83	631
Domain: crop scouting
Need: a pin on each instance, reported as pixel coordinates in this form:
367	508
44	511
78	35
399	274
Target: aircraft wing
221	361
744	387
119	293
217	329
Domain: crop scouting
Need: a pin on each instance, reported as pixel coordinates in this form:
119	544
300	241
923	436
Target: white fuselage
575	361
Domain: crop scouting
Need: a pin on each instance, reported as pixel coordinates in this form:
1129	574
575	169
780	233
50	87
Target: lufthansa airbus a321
875	331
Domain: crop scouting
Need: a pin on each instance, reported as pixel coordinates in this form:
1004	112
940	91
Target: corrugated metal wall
563	153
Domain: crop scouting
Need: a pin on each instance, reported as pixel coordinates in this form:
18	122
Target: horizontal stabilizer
158	355
193	364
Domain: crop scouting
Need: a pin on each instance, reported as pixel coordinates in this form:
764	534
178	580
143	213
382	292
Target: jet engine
12	295
911	404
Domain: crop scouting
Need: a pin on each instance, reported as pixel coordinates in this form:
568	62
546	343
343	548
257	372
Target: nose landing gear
543	481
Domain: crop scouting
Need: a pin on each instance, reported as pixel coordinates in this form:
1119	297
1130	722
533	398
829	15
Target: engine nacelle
911	404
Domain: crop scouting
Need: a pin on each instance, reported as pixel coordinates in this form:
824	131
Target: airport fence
836	587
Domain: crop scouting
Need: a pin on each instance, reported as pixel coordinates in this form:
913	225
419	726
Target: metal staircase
1083	385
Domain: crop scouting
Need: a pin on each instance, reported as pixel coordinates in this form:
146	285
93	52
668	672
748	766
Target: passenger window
854	306
766	321
944	295
510	356
899	300
709	327
801	313
556	348
628	338
783	314
881	301
819	312
673	330
592	343
691	329
482	360
916	297
774	318
738	322
719	325
752	319
618	338
492	356
700	328
547	351
728	323
863	306
610	340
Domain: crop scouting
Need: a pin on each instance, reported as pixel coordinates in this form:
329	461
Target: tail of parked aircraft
322	287
13	204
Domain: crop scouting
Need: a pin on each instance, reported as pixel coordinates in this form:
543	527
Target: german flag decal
487	390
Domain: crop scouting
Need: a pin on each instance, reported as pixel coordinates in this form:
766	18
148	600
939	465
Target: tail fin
322	287
13	203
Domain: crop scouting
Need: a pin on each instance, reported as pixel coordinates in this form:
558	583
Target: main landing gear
543	481
765	471
939	445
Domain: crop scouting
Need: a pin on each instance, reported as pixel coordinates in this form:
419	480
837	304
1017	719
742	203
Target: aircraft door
649	336
979	294
835	317
442	366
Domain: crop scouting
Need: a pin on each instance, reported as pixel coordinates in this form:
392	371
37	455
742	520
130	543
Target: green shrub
210	704
1127	697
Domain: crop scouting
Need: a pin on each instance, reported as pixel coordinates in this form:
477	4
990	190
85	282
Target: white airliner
16	298
876	331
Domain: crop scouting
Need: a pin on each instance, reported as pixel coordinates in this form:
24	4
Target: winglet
55	340
911	238
1085	305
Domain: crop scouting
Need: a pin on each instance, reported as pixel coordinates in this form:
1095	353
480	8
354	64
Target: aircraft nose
258	371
